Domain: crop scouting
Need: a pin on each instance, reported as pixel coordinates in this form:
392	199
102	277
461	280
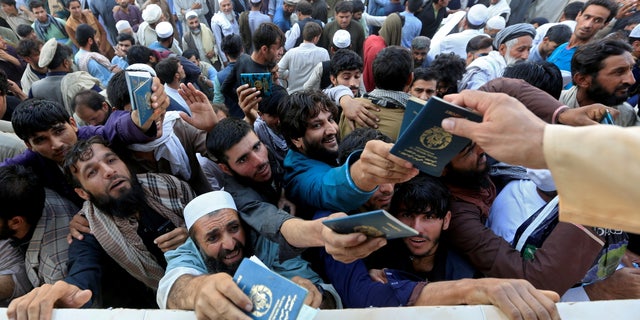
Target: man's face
75	9
321	138
477	54
54	143
194	60
274	52
418	56
221	240
429	226
381	199
471	159
103	176
124	46
350	79
519	52
93	117
40	14
590	21
249	159
288	9
357	15
611	85
123	3
343	19
546	47
423	89
8	9
194	24
226	6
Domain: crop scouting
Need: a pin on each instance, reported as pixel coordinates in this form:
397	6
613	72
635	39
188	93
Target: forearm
303	233
183	292
443	293
539	102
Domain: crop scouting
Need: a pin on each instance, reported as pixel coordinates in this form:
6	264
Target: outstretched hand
202	115
39	303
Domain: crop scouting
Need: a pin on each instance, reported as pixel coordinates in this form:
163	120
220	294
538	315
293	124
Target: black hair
62	53
423	194
167	69
36	4
425	74
117	91
21	194
311	30
345	59
607	4
139	54
84	32
190	53
81	151
539	20
299	108
343	6
572	9
414	5
126	37
4	84
559	33
267	34
68	3
27	47
357	139
450	69
358	6
304	7
89	98
9	2
270	105
35	115
24	30
226	134
588	59
392	68
543	75
479	42
232	45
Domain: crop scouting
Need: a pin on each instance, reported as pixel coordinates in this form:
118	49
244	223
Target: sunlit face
249	158
381	199
40	13
611	85
343	19
350	79
93	117
428	225
226	6
589	21
124	46
220	237
104	175
423	89
518	52
321	136
418	56
75	9
54	143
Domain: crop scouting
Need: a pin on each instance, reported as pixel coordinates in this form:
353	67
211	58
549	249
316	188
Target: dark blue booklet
377	223
273	296
424	143
139	85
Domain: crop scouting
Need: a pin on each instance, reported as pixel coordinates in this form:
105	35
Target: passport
377	223
424	143
260	81
139	85
273	296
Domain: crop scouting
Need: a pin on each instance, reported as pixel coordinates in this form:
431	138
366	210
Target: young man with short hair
343	21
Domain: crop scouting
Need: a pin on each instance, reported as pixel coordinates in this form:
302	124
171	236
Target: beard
196	30
511	60
598	94
129	203
315	150
229	16
215	265
474	179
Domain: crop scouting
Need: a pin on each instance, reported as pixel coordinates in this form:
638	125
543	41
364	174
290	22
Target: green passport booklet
424	143
377	223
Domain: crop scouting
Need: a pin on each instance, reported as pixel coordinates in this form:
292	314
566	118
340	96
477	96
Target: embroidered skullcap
122	25
342	39
478	15
542	178
205	204
496	23
190	14
512	32
164	29
47	52
152	13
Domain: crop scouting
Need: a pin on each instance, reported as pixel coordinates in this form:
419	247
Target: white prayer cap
152	13
542	178
291	2
635	33
46	53
122	25
142	67
190	14
205	204
164	29
478	15
342	39
496	23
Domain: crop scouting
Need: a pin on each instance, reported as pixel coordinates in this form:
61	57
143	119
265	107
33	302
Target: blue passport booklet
273	296
139	85
377	223
424	143
261	81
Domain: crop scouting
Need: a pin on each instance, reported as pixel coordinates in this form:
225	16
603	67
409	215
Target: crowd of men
102	210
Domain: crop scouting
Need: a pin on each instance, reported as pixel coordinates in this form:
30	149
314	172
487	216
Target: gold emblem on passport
369	231
262	298
435	138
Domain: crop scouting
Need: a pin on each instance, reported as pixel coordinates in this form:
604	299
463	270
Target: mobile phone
260	81
165	227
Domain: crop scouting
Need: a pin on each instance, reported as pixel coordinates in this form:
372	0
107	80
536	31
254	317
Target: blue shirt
411	28
561	56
